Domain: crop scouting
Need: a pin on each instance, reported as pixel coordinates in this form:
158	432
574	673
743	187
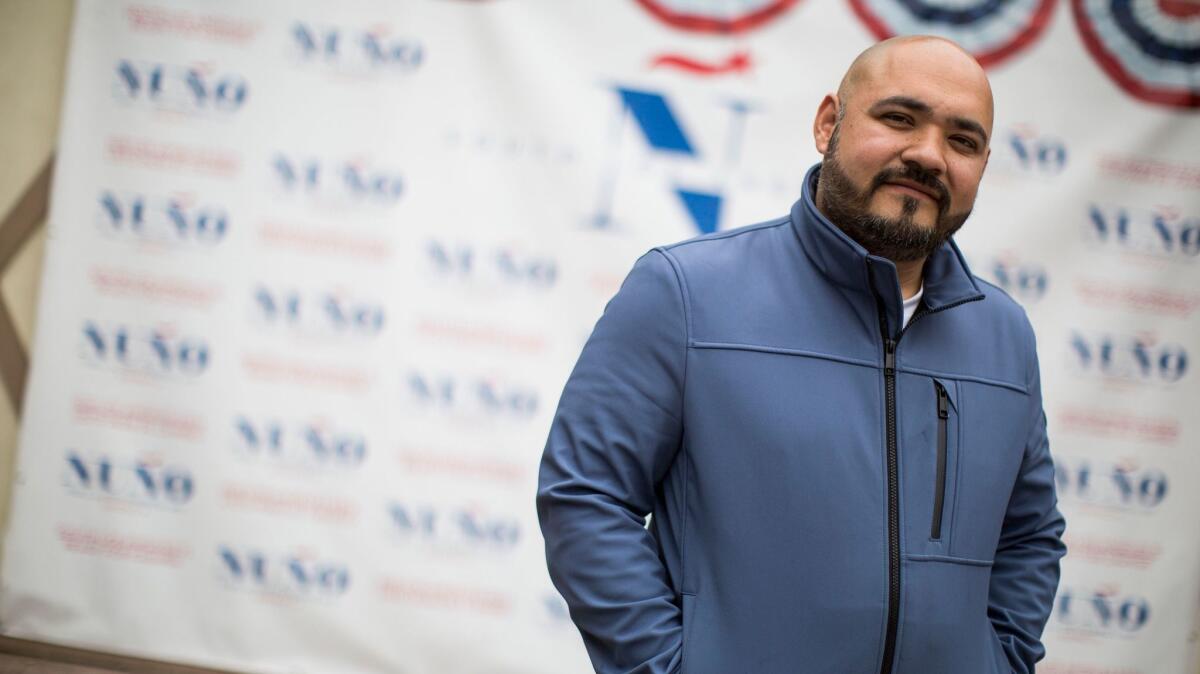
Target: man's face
907	151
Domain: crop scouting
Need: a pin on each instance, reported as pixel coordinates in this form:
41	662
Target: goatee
898	239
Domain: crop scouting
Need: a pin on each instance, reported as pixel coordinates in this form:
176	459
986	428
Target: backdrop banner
316	274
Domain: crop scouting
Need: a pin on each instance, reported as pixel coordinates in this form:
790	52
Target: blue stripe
658	123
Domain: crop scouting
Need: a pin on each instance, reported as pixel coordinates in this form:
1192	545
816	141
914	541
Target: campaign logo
453	529
490	267
193	90
315	444
95	542
1184	175
1139	358
716	16
469	399
296	575
1035	153
1025	281
1165	232
317	315
697	176
177	221
1124	486
1138	297
1113	423
1150	49
1101	611
154	155
454	597
189	24
144	481
337	184
356	53
159	351
992	31
1119	552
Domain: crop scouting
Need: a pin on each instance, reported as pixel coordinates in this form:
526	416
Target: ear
826	120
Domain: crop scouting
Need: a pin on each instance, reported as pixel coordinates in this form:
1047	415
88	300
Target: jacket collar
843	261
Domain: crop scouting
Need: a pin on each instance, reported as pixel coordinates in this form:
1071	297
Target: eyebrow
916	105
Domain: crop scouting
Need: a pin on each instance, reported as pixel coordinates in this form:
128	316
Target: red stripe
1029	33
708	24
737	62
1178	98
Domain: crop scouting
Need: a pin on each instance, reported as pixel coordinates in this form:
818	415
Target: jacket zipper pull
939	495
889	358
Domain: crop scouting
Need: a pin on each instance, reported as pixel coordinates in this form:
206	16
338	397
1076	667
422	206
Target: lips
916	187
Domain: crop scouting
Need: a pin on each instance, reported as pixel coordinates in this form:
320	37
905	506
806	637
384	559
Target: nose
926	150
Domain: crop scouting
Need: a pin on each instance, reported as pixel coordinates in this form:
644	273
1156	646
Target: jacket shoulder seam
685	301
777	222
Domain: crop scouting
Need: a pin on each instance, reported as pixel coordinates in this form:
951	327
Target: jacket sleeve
616	431
1025	572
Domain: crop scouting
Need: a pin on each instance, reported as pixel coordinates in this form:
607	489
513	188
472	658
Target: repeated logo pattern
315	278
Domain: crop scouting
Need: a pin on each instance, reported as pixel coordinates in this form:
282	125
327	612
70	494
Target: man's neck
910	276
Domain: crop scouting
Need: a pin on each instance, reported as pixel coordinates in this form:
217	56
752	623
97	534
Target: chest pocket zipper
939	483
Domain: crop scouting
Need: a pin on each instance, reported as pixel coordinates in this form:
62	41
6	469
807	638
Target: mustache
917	175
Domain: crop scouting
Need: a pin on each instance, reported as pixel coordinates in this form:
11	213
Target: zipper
893	488
889	378
939	495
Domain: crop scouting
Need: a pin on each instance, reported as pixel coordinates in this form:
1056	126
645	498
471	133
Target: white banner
316	273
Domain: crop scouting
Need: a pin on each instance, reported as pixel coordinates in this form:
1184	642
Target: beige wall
33	50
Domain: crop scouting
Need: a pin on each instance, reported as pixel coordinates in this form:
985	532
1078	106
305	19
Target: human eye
897	118
966	142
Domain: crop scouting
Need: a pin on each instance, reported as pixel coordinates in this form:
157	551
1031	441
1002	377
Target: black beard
897	239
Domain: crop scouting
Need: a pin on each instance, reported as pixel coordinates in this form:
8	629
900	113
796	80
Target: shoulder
1005	318
708	243
714	252
1000	304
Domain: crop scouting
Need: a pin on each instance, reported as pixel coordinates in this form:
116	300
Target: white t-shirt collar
910	304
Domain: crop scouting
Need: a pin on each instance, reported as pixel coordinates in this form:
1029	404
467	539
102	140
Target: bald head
926	52
905	141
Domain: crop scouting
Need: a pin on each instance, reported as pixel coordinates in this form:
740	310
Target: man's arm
1026	571
616	431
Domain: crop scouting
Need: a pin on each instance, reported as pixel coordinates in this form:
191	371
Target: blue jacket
831	493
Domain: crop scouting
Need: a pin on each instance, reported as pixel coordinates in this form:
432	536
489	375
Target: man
838	430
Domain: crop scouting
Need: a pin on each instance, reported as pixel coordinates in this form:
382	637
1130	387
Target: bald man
837	429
